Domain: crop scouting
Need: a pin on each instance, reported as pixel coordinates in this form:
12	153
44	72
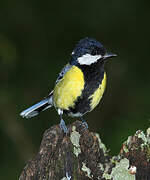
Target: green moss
128	140
75	138
101	145
86	169
115	159
148	131
121	172
100	166
107	176
142	136
125	148
148	135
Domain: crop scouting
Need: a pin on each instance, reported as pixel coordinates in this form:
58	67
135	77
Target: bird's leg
84	123
62	124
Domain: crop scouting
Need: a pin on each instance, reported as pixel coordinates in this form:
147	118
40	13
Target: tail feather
37	108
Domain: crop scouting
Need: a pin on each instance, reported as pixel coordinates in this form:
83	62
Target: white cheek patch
88	59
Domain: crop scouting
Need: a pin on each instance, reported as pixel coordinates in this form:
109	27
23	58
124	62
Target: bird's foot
63	126
84	123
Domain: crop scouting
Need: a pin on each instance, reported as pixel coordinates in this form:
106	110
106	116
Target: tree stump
80	155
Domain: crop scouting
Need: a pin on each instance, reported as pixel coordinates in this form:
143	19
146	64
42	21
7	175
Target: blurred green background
36	40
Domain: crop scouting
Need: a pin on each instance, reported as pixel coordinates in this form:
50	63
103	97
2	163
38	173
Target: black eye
94	52
98	51
102	51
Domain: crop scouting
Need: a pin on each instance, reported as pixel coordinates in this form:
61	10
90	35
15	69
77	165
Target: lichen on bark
81	155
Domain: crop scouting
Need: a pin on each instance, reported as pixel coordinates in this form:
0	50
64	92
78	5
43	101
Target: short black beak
109	55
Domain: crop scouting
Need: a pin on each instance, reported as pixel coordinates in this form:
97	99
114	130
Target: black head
89	51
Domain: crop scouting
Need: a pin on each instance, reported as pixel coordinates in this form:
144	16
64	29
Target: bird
79	86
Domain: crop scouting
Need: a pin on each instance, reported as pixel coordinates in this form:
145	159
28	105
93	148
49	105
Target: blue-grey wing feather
63	72
46	102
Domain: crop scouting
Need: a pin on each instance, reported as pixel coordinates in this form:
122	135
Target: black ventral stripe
93	76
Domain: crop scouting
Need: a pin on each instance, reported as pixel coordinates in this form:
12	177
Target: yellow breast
96	97
69	88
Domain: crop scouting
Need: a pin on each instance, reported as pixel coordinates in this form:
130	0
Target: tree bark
80	155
